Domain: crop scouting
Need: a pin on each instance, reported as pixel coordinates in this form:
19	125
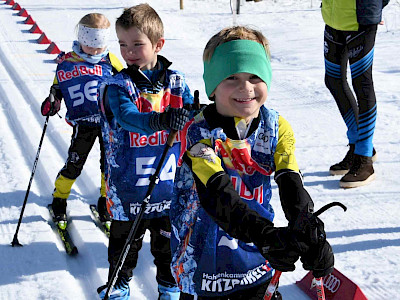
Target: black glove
307	227
316	253
319	259
171	118
278	246
49	107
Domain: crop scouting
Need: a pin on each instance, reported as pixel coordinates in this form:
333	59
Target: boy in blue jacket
223	189
140	106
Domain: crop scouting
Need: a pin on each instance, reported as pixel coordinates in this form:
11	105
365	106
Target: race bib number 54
144	168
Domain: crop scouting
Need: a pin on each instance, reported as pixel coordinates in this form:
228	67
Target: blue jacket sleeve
127	113
187	97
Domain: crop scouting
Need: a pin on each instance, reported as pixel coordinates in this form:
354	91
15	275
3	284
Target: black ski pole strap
328	206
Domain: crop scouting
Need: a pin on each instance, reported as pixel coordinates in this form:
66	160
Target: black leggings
359	111
160	230
82	141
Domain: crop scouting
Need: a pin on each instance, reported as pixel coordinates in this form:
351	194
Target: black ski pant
359	111
160	234
82	141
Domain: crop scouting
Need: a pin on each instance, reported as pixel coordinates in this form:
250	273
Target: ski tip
70	248
74	251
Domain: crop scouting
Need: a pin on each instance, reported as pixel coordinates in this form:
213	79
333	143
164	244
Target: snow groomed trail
365	239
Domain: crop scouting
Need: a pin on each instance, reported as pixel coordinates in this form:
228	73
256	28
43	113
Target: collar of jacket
137	75
215	120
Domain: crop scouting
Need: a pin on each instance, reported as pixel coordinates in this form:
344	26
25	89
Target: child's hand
282	248
50	106
319	259
309	230
308	227
170	119
278	246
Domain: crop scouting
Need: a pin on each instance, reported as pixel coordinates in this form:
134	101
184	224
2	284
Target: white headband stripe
93	37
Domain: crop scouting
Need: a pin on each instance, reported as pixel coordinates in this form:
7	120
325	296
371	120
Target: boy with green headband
223	189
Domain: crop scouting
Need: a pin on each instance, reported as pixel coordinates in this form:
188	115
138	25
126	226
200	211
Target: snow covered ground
365	239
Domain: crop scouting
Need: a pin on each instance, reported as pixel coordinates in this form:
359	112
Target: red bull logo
236	155
77	72
155	139
256	194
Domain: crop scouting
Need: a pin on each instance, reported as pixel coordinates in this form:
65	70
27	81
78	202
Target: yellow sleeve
55	81
115	62
284	155
205	162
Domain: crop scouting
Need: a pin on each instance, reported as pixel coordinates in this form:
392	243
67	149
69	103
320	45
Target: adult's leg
336	57
361	50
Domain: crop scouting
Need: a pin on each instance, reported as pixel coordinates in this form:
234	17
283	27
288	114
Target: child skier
223	187
77	79
137	113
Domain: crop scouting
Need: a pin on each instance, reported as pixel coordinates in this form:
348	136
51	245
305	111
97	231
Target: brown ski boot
360	173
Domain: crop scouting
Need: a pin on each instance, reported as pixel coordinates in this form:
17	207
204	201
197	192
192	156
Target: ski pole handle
175	102
52	100
272	285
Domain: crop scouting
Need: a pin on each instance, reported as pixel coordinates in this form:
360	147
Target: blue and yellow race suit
206	260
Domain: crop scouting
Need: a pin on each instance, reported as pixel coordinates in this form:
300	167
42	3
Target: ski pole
319	285
318	282
272	285
15	241
132	232
328	206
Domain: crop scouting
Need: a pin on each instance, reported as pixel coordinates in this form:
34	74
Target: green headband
237	56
